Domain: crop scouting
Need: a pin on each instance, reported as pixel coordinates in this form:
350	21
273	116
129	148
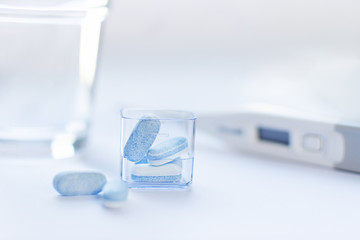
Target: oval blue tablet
114	193
166	173
167	151
141	138
72	183
143	161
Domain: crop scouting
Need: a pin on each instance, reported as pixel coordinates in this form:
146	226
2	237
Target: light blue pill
167	173
141	138
142	161
114	193
73	183
167	151
157	179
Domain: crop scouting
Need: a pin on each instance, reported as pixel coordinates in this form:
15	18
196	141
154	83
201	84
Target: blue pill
167	151
141	138
167	173
72	183
114	193
143	161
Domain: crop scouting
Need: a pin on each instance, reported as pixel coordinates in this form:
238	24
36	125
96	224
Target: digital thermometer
283	133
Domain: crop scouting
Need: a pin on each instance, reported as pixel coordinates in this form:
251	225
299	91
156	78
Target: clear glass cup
47	70
157	148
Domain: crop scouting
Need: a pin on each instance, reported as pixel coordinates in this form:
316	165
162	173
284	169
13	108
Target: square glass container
157	148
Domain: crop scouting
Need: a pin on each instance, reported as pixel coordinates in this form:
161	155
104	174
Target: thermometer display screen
274	135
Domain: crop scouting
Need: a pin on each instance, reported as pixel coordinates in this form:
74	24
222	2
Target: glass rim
191	114
53	6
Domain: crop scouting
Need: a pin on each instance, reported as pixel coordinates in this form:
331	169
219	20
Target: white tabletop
233	195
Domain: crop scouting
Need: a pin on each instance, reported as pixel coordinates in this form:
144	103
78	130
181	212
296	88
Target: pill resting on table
141	138
76	183
167	151
114	193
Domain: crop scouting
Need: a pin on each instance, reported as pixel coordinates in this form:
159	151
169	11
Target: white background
276	51
205	56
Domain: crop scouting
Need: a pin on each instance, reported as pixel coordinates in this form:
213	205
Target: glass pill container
157	148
